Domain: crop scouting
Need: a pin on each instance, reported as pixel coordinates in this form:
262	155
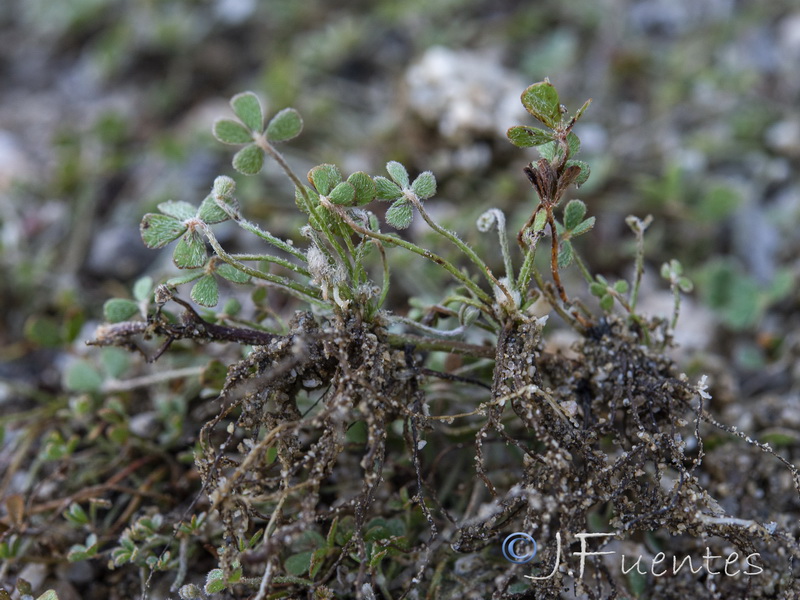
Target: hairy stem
395	241
275	260
386	276
303	291
582	266
301	189
269	238
638	226
439	333
469	252
400	340
527	270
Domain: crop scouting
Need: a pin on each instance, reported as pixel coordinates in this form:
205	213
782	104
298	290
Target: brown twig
192	326
554	255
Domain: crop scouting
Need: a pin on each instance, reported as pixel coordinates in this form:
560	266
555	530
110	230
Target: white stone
465	93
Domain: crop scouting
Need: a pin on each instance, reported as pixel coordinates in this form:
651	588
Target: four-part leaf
401	192
359	189
607	293
250	130
559	146
182	220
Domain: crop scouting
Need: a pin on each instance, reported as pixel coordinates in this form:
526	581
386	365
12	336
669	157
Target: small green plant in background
323	471
738	298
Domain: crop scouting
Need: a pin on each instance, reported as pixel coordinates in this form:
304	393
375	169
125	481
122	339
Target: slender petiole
494	217
302	291
262	143
396	241
469	252
638	226
273	259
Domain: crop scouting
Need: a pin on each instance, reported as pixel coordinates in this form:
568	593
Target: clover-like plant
315	417
250	131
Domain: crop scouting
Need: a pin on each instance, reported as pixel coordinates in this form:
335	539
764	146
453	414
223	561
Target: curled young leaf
490	219
324	178
343	194
364	186
224	187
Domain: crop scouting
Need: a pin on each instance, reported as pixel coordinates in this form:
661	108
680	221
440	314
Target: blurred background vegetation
106	108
